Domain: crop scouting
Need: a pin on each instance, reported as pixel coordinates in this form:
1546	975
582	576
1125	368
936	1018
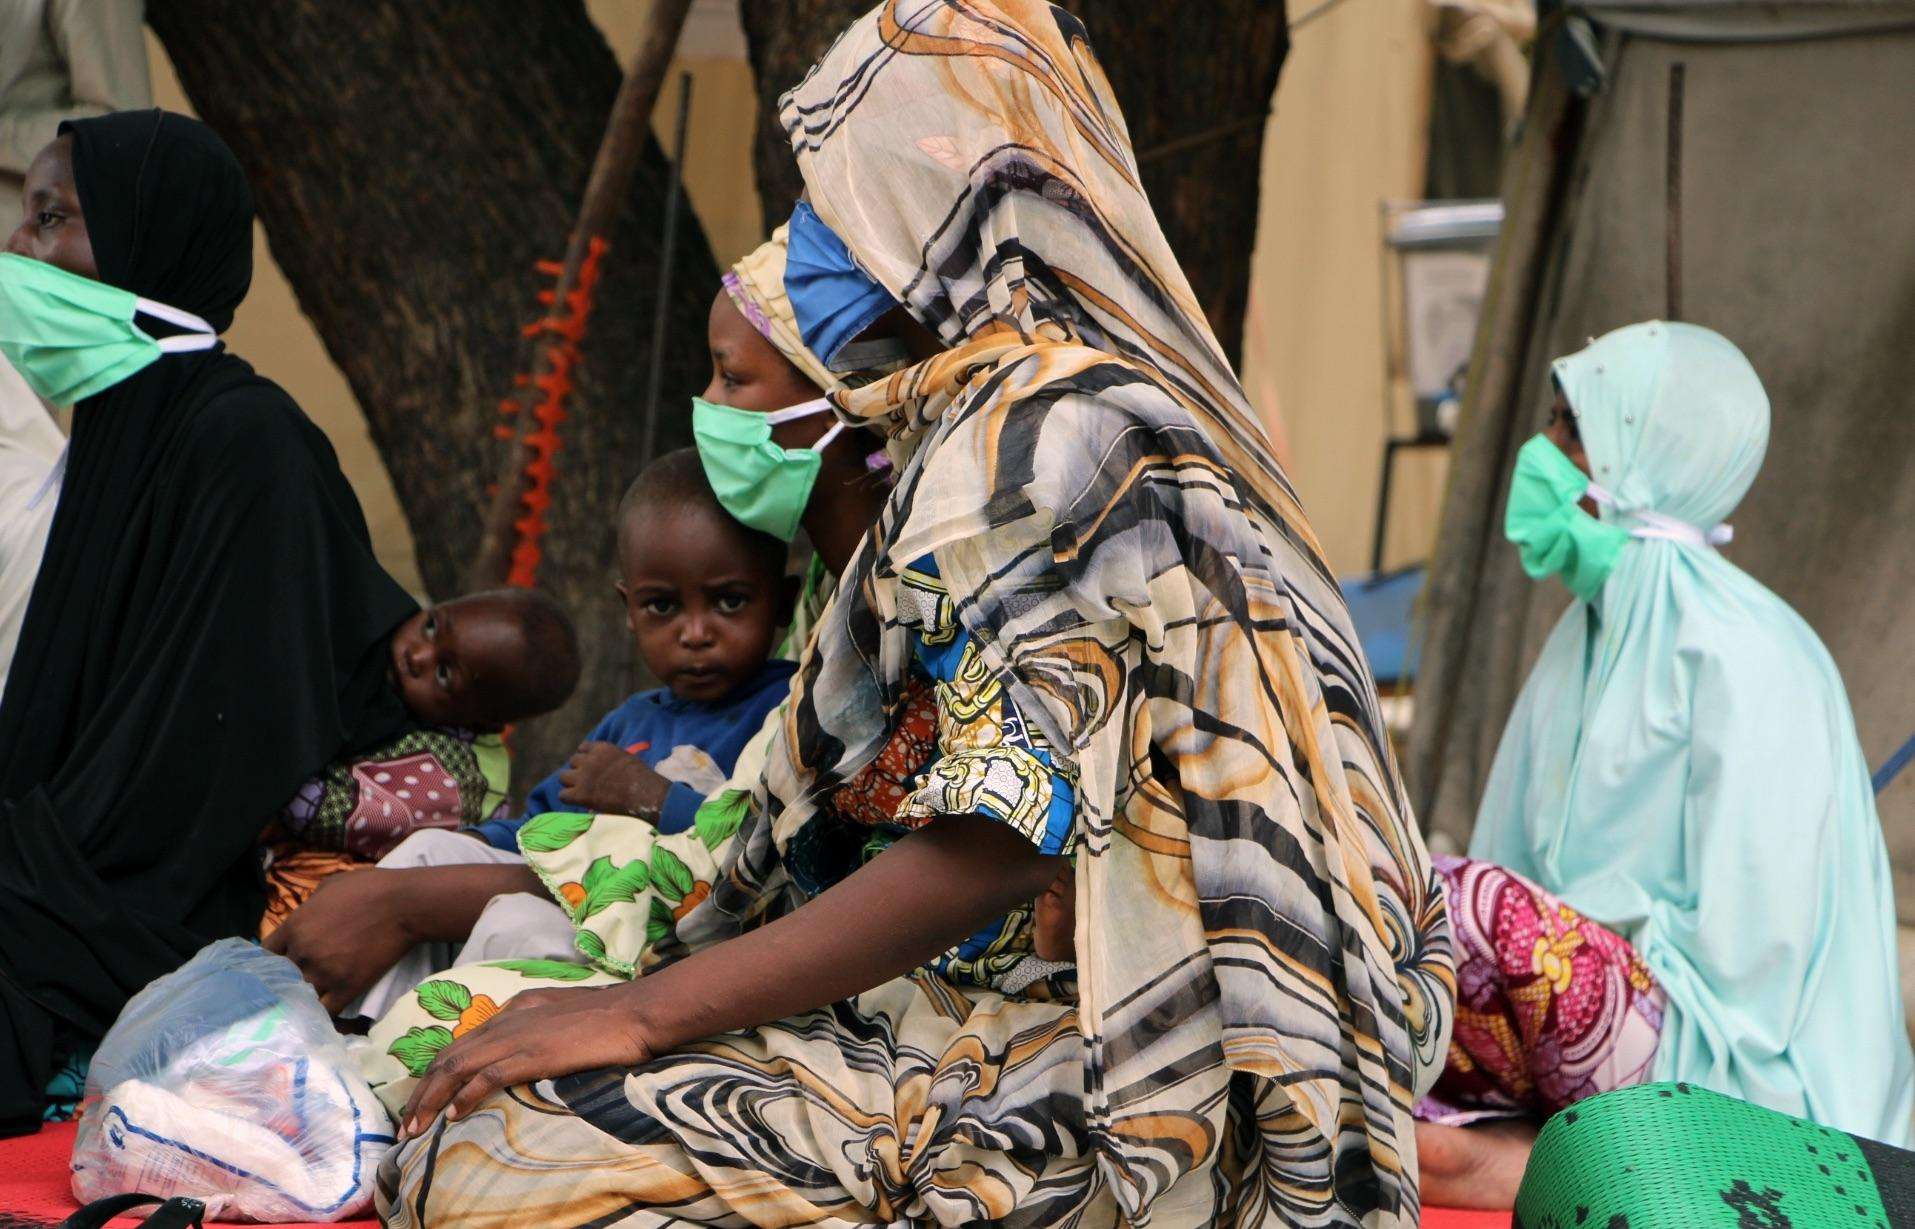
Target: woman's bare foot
1473	1167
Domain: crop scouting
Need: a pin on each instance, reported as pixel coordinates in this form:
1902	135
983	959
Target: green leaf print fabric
438	1012
623	884
624	887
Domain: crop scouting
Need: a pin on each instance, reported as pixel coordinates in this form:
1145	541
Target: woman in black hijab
208	627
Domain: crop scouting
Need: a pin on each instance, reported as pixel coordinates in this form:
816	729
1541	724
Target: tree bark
411	160
1195	90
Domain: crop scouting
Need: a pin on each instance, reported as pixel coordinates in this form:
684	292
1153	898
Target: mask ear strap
202	337
792	413
824	441
186	342
1668	528
1650	524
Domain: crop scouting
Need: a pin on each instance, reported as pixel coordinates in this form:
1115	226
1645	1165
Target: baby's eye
662	607
444	675
732	603
431	627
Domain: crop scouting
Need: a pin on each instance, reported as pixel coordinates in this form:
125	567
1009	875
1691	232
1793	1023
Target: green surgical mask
71	337
1554	536
759	483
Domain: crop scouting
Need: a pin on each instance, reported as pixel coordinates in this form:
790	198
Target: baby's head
704	596
487	660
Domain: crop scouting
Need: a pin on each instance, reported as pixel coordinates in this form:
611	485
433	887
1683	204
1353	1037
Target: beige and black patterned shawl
1263	950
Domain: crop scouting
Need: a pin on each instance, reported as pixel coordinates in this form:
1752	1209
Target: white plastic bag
226	1082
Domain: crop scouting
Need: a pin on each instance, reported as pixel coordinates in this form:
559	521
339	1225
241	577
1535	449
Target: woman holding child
209	627
1016	702
700	587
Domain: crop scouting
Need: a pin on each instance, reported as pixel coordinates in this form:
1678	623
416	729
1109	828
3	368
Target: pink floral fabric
1551	1007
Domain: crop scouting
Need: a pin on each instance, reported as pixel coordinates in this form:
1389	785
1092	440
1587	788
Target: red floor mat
33	1187
33	1181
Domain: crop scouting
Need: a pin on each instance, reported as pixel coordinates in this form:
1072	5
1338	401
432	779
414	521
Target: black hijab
208	628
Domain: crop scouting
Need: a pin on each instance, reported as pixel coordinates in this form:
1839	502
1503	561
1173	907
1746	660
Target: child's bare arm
926	893
358	925
442	903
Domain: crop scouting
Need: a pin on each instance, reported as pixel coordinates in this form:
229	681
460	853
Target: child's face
704	606
748	373
450	663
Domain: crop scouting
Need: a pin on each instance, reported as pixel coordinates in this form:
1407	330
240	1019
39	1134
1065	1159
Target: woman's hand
540	1034
357	925
603	779
346	935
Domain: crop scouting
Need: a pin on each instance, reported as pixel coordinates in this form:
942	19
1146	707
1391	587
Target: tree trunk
1195	91
411	160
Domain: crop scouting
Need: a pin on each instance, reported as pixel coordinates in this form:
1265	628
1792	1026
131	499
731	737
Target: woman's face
52	228
748	373
1563	432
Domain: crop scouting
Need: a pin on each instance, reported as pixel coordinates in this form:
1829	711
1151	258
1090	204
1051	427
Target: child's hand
602	778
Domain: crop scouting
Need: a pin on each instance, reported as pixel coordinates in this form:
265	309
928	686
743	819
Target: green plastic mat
1673	1156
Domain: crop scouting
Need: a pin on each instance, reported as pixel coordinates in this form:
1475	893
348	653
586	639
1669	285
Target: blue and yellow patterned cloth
987	761
961	747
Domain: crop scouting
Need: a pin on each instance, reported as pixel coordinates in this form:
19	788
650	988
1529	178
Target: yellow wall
718	175
1348	133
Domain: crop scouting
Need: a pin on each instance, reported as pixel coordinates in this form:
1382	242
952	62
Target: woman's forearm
928	892
441	904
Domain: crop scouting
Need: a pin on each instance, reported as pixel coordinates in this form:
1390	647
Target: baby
485	661
464	671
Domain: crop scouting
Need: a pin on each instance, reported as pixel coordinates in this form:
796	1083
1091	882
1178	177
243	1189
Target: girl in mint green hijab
1682	773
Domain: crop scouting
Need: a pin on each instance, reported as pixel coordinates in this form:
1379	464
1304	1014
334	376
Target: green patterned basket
1673	1156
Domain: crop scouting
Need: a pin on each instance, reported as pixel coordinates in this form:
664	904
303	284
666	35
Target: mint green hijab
1682	765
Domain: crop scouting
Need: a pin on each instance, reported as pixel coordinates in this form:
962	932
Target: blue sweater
692	744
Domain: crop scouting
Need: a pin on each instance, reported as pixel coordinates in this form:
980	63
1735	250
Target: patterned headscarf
757	285
1264	970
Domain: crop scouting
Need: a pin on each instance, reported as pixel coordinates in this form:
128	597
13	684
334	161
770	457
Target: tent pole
606	190
1672	275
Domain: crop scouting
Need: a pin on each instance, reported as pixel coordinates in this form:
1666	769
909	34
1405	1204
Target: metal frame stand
1391	447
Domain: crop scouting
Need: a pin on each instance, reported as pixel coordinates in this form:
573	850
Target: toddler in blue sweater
705	598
